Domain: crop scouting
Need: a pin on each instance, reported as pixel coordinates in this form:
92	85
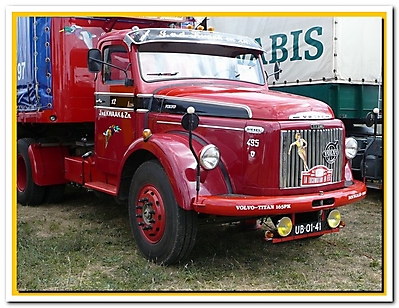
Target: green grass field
85	244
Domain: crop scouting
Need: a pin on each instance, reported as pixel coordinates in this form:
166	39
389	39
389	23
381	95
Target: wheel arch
173	153
133	160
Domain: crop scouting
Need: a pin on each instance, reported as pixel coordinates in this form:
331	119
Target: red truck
179	124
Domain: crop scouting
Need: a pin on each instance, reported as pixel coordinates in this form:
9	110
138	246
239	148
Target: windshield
156	66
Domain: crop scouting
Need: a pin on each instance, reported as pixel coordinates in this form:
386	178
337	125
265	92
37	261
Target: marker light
209	157
334	219
269	235
284	226
350	147
146	134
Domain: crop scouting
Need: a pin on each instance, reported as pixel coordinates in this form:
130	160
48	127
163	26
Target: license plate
307	228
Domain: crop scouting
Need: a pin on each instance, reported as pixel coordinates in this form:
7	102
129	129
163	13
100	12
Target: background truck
179	125
334	59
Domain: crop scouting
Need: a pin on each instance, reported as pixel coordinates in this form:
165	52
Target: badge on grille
331	153
316	176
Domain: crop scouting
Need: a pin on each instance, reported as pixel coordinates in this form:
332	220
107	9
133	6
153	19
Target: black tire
164	232
54	193
28	193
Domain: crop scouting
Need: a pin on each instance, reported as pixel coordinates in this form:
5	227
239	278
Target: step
103	187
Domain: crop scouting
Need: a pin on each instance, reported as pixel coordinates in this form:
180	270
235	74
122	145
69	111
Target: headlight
350	147
209	157
333	219
284	226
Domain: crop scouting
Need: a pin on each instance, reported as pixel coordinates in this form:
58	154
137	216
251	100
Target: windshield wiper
163	74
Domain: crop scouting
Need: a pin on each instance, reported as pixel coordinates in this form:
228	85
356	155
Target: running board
103	187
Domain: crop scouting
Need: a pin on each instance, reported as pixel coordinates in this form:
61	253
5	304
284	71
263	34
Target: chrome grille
324	148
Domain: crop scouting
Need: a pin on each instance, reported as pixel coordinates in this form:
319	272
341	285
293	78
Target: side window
118	57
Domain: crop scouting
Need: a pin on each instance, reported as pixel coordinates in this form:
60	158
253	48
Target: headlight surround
350	147
209	157
334	219
284	226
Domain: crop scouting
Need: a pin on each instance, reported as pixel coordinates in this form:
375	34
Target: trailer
337	60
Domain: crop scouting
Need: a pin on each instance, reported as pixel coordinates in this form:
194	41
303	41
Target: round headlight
334	218
209	157
284	226
350	147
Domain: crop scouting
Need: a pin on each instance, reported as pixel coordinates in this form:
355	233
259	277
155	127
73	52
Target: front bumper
263	206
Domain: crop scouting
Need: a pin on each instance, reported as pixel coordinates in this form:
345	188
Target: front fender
173	152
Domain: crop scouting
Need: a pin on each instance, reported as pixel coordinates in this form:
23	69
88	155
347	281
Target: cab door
114	105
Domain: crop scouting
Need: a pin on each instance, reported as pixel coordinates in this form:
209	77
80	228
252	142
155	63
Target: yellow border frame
382	14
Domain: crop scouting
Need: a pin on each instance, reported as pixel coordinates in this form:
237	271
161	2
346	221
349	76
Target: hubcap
150	213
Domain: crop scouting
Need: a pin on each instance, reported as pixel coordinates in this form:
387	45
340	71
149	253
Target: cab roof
174	35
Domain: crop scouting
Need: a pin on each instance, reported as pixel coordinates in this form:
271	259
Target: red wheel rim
21	173
150	214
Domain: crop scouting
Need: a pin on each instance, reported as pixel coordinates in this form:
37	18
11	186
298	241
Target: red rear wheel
21	173
28	193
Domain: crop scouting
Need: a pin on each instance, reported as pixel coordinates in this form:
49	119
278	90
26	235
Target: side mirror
369	119
277	70
94	60
372	117
190	120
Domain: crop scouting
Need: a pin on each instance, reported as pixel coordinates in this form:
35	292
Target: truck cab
249	144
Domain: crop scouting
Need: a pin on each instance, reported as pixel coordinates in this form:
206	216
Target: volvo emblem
331	153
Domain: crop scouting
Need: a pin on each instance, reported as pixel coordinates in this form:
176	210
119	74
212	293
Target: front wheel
164	232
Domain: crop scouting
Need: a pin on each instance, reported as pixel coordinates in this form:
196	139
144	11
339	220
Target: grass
85	244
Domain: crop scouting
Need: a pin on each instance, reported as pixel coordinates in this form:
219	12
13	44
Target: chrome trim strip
144	95
205	126
114	108
222	127
124	94
114	93
310	115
